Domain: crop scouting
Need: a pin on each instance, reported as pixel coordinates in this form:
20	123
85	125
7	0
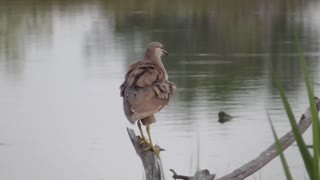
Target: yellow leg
143	139
151	147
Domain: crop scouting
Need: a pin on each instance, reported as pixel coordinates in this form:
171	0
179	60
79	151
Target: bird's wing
141	74
144	102
149	100
145	90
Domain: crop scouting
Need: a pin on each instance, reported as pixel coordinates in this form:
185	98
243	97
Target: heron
146	90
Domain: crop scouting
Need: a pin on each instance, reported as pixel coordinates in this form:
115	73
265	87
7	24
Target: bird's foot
154	149
144	140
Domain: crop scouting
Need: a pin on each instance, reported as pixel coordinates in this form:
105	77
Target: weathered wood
151	163
199	175
271	152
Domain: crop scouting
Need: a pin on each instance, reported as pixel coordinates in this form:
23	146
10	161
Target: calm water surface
61	64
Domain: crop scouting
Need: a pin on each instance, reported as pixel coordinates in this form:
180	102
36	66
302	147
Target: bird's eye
161	47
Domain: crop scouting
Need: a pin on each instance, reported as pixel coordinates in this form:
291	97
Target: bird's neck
158	62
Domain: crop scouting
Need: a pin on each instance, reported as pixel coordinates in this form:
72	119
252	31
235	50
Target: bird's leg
143	139
151	146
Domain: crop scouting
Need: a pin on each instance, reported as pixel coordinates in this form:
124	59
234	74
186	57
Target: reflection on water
61	64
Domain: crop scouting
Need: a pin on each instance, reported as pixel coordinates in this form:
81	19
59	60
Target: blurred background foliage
230	43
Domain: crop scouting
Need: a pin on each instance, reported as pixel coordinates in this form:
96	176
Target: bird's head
155	49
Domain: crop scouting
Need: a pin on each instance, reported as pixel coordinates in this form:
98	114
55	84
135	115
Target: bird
146	90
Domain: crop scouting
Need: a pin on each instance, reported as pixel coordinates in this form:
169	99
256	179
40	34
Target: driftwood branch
200	175
153	169
176	176
151	163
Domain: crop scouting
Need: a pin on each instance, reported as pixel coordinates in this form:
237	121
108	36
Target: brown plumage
146	88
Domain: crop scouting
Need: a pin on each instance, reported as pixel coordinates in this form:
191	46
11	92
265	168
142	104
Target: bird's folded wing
143	74
145	102
145	90
164	89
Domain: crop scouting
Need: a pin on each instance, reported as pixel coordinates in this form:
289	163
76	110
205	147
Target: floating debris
224	117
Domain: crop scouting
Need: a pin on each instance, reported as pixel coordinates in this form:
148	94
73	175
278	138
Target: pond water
61	64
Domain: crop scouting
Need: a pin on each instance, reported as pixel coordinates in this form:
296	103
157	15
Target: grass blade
280	150
301	144
314	112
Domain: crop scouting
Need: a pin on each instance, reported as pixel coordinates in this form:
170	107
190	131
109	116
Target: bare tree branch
151	163
199	175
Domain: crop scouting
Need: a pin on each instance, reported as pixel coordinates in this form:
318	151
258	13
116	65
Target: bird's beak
165	52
